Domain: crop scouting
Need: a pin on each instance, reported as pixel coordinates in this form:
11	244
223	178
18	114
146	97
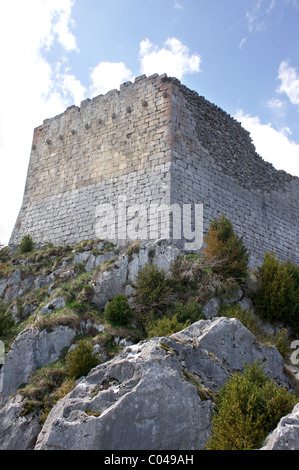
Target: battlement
154	142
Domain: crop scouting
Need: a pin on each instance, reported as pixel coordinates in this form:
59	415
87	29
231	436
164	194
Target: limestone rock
211	307
17	432
57	302
156	394
3	285
31	349
110	283
138	262
286	434
165	255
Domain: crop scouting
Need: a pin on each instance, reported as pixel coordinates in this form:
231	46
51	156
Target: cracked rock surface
157	394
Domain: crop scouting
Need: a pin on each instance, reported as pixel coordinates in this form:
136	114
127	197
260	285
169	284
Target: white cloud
174	58
29	89
107	76
254	22
243	42
63	25
276	105
178	5
72	87
289	82
273	146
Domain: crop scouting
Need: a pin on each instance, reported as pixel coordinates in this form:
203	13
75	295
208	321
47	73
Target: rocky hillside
111	347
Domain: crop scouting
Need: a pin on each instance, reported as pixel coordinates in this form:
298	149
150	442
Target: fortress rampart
154	142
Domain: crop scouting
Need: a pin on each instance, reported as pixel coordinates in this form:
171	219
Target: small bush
165	326
81	360
248	407
151	286
47	385
187	270
189	312
225	251
277	298
118	311
26	245
133	248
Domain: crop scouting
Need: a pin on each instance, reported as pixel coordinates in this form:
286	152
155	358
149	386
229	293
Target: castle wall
215	163
116	145
153	142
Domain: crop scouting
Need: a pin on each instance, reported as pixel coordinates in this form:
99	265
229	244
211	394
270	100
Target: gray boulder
157	394
138	262
31	349
17	432
165	255
286	434
110	283
54	304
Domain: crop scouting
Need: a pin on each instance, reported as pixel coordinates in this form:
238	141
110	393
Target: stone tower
153	144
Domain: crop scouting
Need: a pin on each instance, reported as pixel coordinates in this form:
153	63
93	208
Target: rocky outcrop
17	432
121	275
157	394
32	349
286	435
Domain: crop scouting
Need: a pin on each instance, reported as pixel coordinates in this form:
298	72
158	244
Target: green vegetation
26	245
81	360
189	312
47	385
118	311
249	406
277	299
250	321
151	286
6	320
225	251
165	326
163	304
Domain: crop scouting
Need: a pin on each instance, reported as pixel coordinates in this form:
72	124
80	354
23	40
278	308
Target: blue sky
242	55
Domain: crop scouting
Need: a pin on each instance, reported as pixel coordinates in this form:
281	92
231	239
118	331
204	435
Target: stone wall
113	146
154	142
214	162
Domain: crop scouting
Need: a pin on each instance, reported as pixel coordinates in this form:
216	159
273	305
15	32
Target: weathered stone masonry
154	142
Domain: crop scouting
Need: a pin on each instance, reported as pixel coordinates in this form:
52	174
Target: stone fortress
154	143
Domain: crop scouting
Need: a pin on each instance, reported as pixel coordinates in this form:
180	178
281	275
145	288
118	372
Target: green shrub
189	312
118	311
81	360
47	385
26	245
248	407
277	298
187	270
225	251
164	326
151	286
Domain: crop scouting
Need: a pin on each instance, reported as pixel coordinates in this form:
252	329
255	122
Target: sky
242	55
